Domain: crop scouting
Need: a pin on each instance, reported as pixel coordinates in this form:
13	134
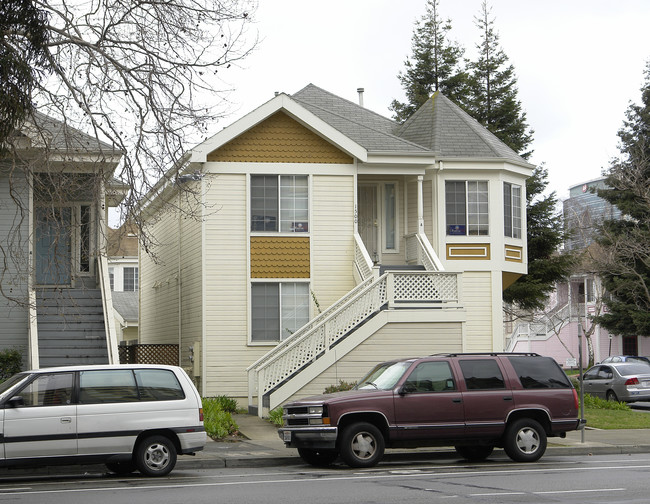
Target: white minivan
130	417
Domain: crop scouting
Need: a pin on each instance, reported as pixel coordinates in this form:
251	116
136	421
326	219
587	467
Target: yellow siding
468	251
279	257
226	289
332	228
477	300
175	235
396	340
280	139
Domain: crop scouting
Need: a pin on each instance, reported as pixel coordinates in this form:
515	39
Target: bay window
466	207
512	210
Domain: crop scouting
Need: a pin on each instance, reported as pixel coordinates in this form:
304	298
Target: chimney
360	91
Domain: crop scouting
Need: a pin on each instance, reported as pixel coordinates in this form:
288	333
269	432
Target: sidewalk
262	447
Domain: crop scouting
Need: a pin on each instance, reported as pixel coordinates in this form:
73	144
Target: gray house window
131	279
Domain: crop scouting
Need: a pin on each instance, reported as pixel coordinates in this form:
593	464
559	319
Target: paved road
595	479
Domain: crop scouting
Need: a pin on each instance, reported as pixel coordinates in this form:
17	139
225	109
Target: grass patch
217	417
602	414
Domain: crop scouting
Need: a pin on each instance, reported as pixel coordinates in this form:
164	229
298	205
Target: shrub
598	403
217	417
11	362
343	385
275	416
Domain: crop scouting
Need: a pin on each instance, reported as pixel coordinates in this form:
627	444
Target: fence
149	354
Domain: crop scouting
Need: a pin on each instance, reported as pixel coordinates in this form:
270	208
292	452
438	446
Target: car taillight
200	414
632	381
575	399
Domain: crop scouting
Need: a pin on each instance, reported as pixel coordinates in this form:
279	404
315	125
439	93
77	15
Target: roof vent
360	91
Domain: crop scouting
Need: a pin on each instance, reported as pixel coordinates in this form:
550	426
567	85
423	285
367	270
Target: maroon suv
474	402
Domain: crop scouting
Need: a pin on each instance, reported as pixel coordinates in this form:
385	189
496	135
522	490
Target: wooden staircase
71	327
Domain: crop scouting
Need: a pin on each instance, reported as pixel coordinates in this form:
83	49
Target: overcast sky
578	63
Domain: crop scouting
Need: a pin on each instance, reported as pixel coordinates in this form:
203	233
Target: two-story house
55	187
313	238
123	272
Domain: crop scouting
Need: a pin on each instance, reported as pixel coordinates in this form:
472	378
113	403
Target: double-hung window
466	207
278	309
512	210
130	279
280	203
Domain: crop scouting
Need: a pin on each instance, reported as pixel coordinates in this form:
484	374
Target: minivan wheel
474	453
121	467
525	440
155	456
318	458
362	445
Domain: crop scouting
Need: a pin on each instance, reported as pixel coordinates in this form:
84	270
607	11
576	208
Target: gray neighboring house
55	189
124	276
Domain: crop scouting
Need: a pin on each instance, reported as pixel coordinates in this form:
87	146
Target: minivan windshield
384	376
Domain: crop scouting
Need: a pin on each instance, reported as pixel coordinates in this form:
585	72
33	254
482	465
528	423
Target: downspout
32	329
178	282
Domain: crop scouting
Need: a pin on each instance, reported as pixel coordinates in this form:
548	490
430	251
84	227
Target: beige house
317	238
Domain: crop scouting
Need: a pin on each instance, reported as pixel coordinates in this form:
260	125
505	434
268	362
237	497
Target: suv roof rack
491	354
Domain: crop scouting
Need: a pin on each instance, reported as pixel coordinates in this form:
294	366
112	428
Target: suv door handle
456	399
507	398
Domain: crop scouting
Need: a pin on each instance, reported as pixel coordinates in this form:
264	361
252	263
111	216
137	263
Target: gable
279	139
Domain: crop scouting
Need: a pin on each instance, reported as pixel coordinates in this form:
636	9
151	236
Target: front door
369	221
53	245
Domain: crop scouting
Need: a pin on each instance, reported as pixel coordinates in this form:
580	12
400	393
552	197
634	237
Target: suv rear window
539	372
482	374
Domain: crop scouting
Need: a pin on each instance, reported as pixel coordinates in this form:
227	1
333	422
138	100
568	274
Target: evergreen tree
434	65
624	262
492	100
24	59
545	265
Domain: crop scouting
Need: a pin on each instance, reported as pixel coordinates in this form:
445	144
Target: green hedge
11	362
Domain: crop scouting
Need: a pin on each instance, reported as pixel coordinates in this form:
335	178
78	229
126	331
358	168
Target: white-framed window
467	208
512	210
130	279
280	203
111	277
278	309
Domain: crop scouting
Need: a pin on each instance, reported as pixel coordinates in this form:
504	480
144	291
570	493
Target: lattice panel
425	287
149	354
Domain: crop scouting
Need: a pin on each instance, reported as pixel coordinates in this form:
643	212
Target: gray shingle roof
439	127
126	304
369	129
447	129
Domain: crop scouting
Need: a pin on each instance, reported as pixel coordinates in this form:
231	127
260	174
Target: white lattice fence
425	287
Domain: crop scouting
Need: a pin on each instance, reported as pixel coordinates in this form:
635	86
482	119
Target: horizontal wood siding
332	238
477	300
14	236
226	289
393	341
191	282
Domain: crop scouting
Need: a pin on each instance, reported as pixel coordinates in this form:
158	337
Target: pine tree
434	65
624	262
545	265
492	100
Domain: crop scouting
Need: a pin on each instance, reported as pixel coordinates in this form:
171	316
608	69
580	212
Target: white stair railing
420	251
394	289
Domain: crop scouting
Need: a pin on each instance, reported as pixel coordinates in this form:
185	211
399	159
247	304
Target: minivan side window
107	386
482	374
48	390
158	385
